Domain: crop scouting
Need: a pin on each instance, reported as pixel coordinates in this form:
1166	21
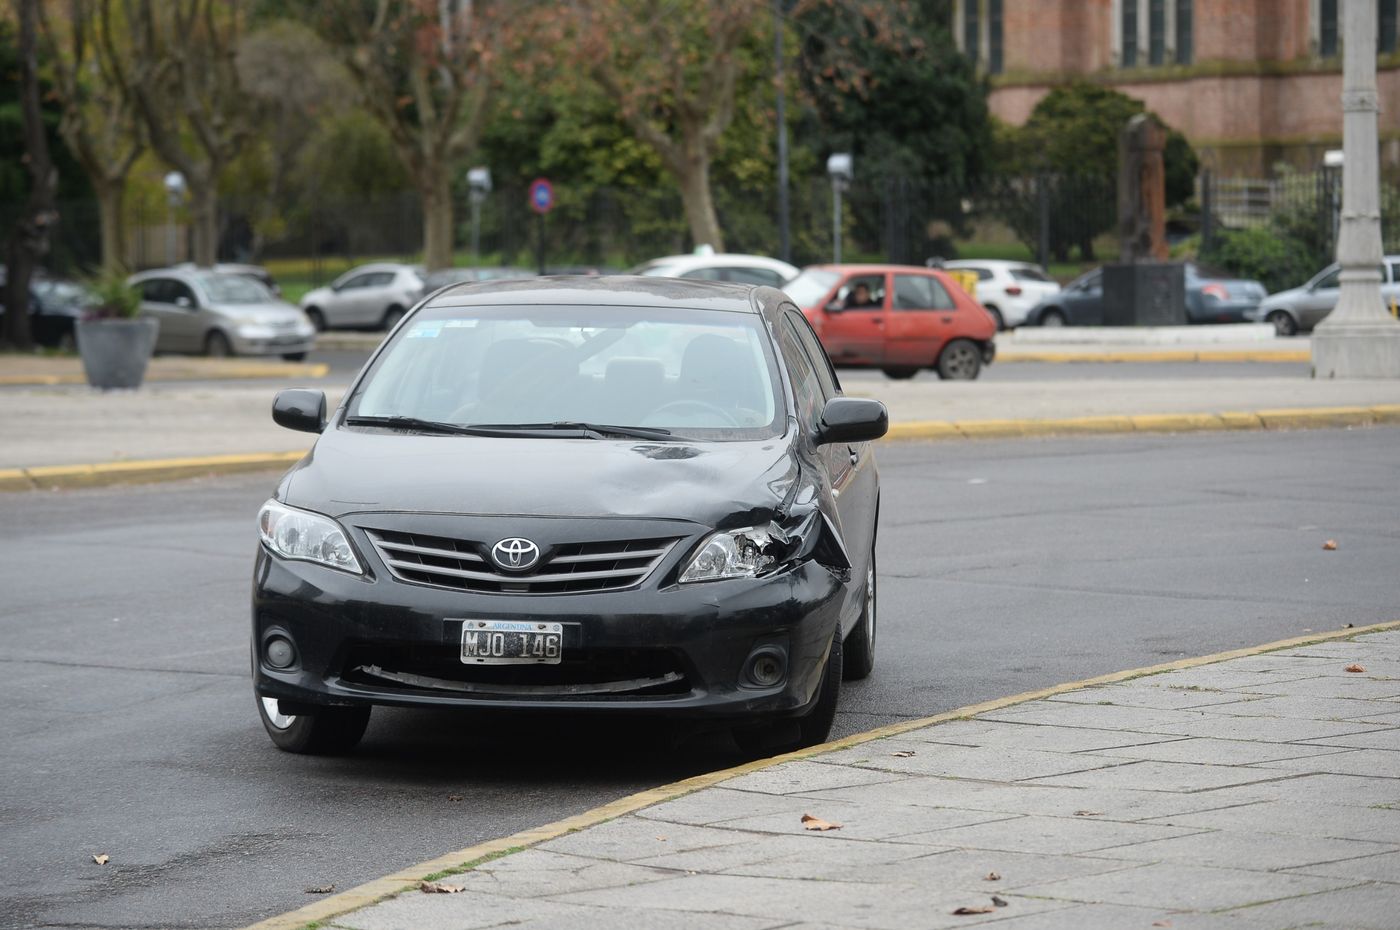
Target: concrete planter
115	352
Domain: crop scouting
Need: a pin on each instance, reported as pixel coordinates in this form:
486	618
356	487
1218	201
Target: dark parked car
1210	298
615	495
55	306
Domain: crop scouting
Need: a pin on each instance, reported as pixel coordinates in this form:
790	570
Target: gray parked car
219	313
1210	298
1299	309
372	296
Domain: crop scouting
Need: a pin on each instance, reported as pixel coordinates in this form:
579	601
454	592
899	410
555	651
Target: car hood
710	483
1284	298
317	296
259	313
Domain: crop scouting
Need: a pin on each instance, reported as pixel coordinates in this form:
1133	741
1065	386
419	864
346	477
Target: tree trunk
204	222
436	190
111	194
694	178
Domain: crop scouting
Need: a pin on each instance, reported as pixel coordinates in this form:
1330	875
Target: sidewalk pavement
1256	793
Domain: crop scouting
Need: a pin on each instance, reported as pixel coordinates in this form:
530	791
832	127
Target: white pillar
1359	339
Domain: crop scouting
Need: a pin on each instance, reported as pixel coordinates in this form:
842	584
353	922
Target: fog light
280	652
767	666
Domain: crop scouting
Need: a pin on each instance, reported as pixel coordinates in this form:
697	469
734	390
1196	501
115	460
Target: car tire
997	317
787	735
317	318
329	731
858	653
1053	318
392	317
1284	324
294	356
960	360
900	374
216	345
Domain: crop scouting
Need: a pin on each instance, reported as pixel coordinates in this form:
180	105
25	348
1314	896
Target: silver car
1299	309
218	313
368	297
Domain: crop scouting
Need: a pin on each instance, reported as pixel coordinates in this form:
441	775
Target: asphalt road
129	727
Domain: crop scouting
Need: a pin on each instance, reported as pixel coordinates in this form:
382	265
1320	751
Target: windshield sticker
428	330
460	324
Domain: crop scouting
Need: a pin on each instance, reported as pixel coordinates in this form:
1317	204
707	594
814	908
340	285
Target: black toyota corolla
609	495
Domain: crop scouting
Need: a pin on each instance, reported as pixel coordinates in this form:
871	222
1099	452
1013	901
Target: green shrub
1277	261
114	299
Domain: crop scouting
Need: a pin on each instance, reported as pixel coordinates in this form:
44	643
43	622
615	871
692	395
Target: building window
1129	31
994	57
1385	26
1183	32
972	32
1327	28
1156	32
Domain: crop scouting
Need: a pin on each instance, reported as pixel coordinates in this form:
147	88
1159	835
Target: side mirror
301	409
835	306
183	302
853	419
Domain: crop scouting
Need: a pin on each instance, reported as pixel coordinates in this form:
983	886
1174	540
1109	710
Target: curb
463	859
1159	355
55	477
252	370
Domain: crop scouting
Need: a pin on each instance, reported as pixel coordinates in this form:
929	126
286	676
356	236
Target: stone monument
1142	289
1358	339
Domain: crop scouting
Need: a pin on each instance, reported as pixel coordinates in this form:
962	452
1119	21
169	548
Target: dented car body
618	495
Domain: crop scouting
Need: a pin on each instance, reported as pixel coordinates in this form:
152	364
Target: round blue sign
541	195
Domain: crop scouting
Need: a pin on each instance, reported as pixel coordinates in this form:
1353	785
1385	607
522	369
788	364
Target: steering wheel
700	405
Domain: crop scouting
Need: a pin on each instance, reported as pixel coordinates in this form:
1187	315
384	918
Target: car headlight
733	554
310	537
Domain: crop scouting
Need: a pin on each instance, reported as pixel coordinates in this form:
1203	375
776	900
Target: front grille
566	569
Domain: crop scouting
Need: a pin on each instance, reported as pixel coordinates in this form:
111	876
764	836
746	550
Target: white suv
1007	289
368	297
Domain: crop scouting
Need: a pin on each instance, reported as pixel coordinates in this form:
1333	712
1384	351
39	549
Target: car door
348	307
1320	297
923	316
376	298
853	320
1083	303
172	303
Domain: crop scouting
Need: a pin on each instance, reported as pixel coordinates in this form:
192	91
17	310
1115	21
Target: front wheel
392	317
1052	318
1284	324
788	735
294	356
327	731
960	360
900	374
858	654
216	345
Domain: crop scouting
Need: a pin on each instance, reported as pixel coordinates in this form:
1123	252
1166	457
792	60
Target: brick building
1250	82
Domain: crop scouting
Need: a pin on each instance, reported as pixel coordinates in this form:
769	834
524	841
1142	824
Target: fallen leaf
1348	626
320	889
1161	923
1087	813
1354	668
816	823
1330	545
975	910
661	839
999	902
454	797
992	877
903	754
101	858
438	888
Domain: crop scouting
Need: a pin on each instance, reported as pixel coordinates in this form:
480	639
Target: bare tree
672	68
29	239
99	121
423	67
185	85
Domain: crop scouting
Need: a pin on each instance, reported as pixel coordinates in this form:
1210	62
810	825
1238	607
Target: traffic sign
541	195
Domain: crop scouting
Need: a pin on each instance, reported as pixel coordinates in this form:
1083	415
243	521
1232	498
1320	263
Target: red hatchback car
899	318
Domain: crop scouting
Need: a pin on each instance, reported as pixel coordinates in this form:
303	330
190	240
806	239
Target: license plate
511	642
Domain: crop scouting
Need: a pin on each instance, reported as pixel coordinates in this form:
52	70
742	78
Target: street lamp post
479	182
1359	339
841	171
174	196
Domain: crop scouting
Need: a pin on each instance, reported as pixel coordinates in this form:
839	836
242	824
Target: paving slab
1186	887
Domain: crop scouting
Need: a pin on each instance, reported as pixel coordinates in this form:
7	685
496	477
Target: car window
358	281
180	289
862	292
920	292
1395	272
704	274
826	375
983	274
1029	274
809	287
1091	281
382	279
1330	279
234	289
765	276
805	386
156	290
706	375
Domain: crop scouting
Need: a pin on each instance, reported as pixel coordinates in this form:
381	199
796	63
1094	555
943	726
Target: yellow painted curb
1386	413
1305	417
404	879
1176	422
231	372
1159	355
49	477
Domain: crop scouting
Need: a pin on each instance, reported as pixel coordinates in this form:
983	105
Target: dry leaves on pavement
101	858
816	823
320	889
992	877
1330	545
988	909
438	888
1354	668
1088	813
999	902
903	753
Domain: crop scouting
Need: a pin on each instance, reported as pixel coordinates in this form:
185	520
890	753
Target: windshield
234	289
811	286
700	375
654	269
55	295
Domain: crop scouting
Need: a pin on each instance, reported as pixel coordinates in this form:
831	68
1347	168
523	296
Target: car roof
988	263
869	268
602	291
722	258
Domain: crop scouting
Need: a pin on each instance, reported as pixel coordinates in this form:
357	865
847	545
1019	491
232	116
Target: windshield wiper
426	426
590	430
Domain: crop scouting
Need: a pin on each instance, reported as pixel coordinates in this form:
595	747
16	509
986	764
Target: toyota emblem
515	554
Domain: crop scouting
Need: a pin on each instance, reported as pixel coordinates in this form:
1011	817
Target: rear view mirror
301	409
853	419
834	307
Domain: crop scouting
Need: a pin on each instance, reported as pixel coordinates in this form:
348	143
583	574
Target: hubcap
961	361
274	715
1052	319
